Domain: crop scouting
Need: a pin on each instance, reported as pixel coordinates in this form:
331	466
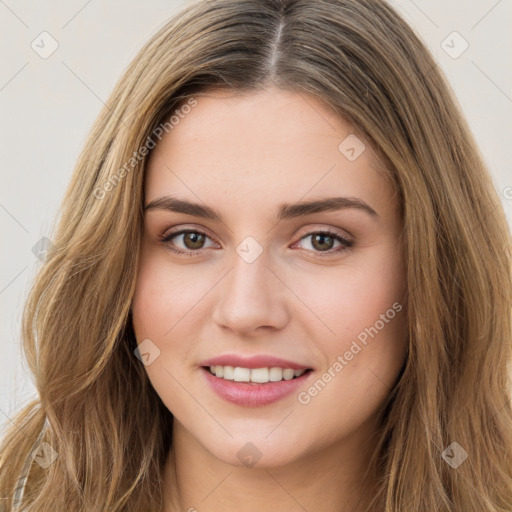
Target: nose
250	298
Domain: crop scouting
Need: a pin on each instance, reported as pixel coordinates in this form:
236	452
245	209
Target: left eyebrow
285	211
289	211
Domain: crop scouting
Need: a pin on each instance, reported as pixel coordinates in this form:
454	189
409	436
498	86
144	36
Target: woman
281	280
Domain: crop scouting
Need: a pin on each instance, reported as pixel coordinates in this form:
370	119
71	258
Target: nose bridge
250	276
250	295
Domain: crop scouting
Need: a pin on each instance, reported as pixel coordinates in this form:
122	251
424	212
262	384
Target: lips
254	395
256	361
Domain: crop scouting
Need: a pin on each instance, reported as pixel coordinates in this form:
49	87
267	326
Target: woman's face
265	279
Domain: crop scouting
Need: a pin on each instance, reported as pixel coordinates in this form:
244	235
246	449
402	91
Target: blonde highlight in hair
108	426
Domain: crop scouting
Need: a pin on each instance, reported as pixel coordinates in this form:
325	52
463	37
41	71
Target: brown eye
192	241
324	242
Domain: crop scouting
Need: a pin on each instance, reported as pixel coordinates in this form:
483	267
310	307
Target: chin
255	451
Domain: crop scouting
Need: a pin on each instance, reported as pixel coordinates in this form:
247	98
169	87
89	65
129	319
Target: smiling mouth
255	375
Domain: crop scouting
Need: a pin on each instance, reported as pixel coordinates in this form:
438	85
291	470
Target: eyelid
302	233
185	228
346	242
321	228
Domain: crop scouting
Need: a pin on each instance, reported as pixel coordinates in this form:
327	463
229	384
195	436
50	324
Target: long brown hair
96	409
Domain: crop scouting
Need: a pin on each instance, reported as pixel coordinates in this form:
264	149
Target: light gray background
48	106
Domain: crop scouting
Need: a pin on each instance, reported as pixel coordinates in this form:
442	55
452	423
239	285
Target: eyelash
346	246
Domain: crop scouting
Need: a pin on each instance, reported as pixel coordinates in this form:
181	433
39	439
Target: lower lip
254	395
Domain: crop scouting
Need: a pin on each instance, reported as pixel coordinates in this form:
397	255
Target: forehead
263	147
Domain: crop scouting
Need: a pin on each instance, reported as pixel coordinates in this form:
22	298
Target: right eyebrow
172	204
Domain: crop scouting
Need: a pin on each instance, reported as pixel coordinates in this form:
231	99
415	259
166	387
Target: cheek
361	335
364	352
163	298
350	300
166	309
159	308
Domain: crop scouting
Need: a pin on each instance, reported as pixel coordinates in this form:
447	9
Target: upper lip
257	361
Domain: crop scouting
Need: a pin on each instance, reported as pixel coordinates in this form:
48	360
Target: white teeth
229	372
288	374
276	374
242	374
257	375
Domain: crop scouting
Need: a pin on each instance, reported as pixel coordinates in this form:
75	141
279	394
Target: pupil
322	242
195	239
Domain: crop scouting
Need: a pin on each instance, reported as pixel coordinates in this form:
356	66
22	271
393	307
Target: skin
244	155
